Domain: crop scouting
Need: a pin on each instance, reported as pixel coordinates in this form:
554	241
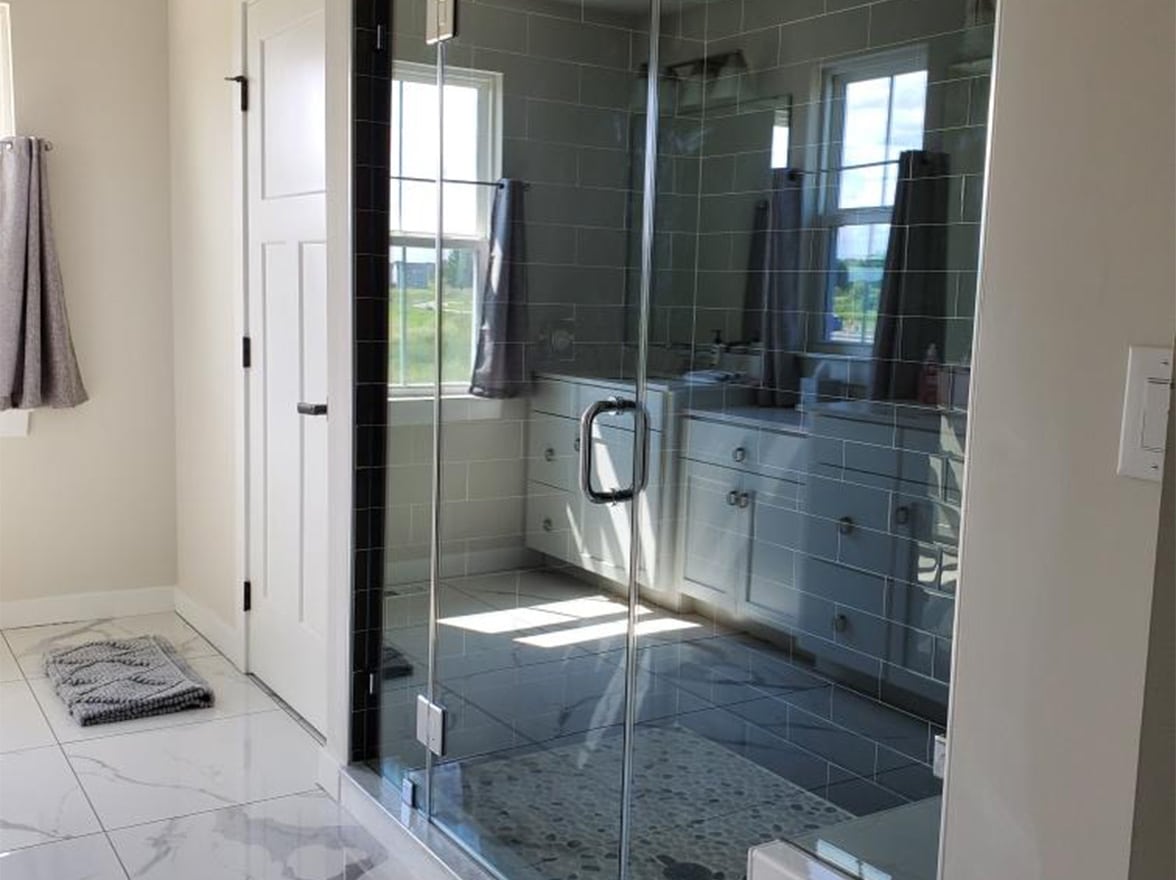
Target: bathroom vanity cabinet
837	526
561	522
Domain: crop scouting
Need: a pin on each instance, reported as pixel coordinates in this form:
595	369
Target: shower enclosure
675	343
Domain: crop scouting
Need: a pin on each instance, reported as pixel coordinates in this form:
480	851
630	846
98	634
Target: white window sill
417	409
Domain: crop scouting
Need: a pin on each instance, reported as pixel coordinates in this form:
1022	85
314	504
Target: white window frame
7	92
489	86
835	78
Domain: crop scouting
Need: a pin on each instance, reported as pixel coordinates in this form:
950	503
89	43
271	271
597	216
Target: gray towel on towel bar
122	679
37	362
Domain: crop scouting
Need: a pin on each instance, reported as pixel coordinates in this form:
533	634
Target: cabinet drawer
783	454
556	398
551	514
567	398
552	451
586	395
851	505
715	443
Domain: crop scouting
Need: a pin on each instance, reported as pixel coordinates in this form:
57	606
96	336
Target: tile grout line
60	746
77	779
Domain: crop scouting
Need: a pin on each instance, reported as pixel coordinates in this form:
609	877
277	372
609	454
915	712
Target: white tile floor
226	793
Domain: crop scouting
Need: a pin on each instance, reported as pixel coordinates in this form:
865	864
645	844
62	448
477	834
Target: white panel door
288	325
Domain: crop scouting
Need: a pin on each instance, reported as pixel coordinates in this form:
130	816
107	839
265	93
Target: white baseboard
227	639
329	773
72	607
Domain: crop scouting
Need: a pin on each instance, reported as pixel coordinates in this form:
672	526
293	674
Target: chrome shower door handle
640	456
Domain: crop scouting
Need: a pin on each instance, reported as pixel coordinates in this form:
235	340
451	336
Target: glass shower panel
407	500
819	188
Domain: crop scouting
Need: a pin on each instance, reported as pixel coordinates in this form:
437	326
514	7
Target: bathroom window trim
7	91
489	164
835	77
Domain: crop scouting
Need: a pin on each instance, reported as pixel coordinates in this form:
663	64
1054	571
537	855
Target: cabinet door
553	451
551	521
604	529
778	532
716	534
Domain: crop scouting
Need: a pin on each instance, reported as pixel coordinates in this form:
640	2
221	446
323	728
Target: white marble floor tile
308	836
82	858
160	774
22	726
40	800
9	668
235	693
31	643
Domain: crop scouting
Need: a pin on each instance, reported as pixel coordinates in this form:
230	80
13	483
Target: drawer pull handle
840	623
739	454
845	525
732	498
902	515
548	525
549	454
744	500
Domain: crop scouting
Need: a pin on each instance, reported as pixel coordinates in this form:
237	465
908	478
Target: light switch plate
1145	413
939	761
14	423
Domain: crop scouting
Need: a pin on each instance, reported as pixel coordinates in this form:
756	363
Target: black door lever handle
312	409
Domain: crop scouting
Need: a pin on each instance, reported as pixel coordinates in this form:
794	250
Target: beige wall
205	252
87	500
1058	551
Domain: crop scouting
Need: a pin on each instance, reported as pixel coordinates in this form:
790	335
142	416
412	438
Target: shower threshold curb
377	805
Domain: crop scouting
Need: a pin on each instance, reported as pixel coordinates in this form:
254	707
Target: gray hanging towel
37	362
774	313
913	300
500	362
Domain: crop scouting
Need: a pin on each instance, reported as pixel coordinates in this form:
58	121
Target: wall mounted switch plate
14	423
939	761
1145	413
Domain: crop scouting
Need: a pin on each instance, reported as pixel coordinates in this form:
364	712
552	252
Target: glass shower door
540	436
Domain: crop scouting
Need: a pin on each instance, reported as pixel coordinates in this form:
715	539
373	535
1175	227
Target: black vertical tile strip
371	92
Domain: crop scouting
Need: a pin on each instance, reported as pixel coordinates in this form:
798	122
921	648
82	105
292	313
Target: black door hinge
247	604
243	82
246	352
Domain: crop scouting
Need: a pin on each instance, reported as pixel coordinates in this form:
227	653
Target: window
7	110
472	159
781	136
874	111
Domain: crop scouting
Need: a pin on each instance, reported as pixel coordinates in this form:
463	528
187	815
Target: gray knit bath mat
121	679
